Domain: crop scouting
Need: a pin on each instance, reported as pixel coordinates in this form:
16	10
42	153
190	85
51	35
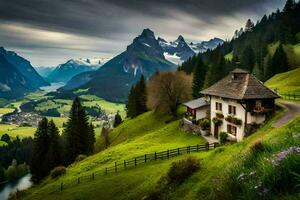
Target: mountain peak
147	33
180	38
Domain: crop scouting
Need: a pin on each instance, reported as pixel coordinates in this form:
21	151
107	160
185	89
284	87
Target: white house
197	109
237	103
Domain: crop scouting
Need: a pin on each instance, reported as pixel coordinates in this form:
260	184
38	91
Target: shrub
182	169
257	146
223	137
217	121
80	157
205	124
58	171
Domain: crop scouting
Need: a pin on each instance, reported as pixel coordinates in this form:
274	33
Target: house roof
197	103
240	84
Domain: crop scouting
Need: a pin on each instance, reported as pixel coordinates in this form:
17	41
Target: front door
216	131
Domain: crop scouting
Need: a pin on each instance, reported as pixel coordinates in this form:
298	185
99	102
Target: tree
249	25
77	133
137	99
118	119
248	58
39	166
289	6
5	137
279	61
167	90
198	78
2	175
54	155
91	139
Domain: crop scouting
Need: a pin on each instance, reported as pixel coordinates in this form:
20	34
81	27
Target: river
10	188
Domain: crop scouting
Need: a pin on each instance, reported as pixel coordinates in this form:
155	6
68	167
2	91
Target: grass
229	56
144	134
14	131
148	133
292	51
6	110
285	83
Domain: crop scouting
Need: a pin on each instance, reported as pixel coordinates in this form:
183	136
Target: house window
219	106
231	110
231	129
258	104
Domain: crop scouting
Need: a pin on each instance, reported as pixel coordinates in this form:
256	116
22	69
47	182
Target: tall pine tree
77	133
199	77
137	99
54	154
39	166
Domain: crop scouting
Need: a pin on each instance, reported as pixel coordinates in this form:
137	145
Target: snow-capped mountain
144	56
179	50
66	71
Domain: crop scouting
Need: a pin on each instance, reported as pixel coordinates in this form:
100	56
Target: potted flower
217	121
220	115
205	125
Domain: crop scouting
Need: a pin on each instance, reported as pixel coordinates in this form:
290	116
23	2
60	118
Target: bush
80	157
58	171
182	169
223	137
205	124
257	146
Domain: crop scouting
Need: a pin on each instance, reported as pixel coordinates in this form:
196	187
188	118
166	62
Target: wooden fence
290	96
133	163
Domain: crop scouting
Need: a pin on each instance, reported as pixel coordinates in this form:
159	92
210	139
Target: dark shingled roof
240	84
197	103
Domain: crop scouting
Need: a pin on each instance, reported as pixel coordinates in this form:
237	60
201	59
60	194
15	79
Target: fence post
116	167
168	154
178	151
154	155
207	146
294	96
93	176
197	147
61	186
78	180
124	164
135	162
189	149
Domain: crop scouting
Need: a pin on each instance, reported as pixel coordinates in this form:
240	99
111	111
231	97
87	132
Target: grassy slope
145	134
288	82
136	183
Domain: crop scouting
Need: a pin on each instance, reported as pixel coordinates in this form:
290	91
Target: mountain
24	67
206	45
12	83
179	50
115	78
66	71
44	71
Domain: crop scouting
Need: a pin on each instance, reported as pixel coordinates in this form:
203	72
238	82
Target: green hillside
284	83
148	133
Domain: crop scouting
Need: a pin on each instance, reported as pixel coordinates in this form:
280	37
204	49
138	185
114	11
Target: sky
48	33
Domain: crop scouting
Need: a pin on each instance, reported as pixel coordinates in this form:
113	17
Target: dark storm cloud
109	25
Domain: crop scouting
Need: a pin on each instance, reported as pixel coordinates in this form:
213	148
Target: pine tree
249	25
141	96
54	155
198	78
131	103
39	166
279	61
289	5
118	120
248	59
2	175
137	99
77	132
91	139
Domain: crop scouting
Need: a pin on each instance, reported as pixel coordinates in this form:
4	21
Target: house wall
202	112
240	114
258	118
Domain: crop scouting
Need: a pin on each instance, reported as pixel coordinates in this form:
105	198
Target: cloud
104	27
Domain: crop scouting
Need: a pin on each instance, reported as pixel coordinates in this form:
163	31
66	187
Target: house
238	103
197	109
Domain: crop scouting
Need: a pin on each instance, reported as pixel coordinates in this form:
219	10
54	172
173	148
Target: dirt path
293	109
